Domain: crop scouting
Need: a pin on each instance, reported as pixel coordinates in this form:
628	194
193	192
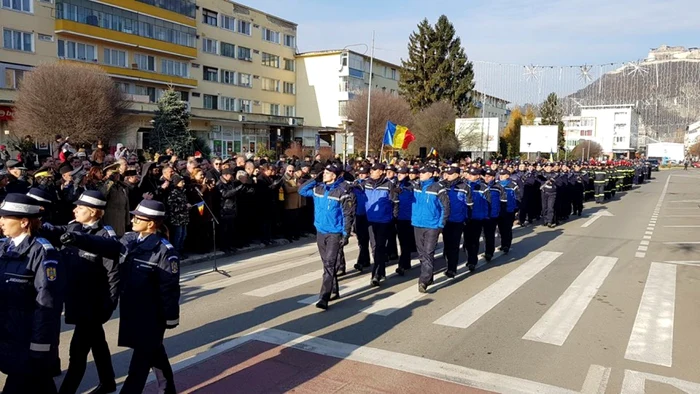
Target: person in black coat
91	294
117	194
149	291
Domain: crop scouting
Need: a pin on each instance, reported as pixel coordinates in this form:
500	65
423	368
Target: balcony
149	76
244	117
177	11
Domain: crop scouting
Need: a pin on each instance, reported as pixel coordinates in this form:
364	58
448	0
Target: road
603	306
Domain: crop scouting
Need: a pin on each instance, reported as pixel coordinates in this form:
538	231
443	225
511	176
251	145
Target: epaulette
110	231
167	244
45	243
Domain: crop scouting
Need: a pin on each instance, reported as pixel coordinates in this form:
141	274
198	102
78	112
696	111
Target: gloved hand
344	240
67	238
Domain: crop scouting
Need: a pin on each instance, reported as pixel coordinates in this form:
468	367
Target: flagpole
369	100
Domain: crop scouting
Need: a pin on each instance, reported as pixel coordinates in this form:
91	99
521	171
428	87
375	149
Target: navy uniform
149	295
481	207
460	206
361	225
578	189
549	195
392	246
404	229
32	283
431	209
334	213
498	198
91	297
513	194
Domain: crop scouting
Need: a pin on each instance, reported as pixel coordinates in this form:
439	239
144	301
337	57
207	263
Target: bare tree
385	107
585	150
70	99
694	150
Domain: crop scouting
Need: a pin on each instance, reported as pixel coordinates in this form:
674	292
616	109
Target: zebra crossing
650	338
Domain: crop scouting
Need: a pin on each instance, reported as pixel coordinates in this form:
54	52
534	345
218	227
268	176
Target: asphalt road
597	305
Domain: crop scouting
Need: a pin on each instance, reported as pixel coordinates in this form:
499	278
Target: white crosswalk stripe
558	322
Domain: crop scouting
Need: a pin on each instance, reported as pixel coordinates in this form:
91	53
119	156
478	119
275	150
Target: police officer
431	209
31	299
460	204
392	249
481	206
549	195
91	294
149	291
578	188
361	225
498	198
334	214
507	217
404	228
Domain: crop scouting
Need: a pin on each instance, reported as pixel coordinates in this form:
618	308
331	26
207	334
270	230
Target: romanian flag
397	136
200	208
433	153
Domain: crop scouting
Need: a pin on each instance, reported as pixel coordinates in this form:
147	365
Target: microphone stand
214	223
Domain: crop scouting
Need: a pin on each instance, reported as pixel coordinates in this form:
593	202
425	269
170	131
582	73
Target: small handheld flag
200	208
433	152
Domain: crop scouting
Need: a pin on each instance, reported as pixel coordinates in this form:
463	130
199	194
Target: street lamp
346	125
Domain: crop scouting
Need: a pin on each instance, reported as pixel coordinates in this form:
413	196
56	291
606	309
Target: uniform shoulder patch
45	243
174	264
110	231
50	269
167	244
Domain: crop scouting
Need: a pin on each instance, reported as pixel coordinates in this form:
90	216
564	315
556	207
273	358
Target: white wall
606	120
318	90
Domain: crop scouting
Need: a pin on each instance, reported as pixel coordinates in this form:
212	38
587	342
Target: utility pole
369	98
483	119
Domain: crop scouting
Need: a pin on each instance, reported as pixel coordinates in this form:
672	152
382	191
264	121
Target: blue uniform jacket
360	197
498	198
406	199
481	198
382	200
513	195
334	206
460	200
431	205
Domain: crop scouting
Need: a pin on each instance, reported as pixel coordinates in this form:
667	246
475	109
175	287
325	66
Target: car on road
696	164
654	164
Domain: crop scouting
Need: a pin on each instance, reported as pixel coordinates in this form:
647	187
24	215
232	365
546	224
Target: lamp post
346	125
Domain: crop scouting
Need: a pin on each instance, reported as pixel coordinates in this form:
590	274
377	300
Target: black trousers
142	361
392	247
329	248
548	204
407	240
87	337
362	232
378	239
505	228
426	242
472	232
29	383
292	229
577	199
451	235
227	235
490	235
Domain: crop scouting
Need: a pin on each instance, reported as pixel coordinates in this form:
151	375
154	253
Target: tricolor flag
397	136
433	152
200	208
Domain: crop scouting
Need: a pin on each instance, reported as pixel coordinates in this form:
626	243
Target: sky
540	32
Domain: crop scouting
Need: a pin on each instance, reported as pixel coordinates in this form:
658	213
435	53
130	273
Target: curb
219	254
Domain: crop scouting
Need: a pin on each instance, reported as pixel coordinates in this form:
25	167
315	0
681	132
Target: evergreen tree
437	68
551	115
171	125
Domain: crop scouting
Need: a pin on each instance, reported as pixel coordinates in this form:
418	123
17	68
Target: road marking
406	297
286	284
595	217
644	243
596	380
651	340
646	237
640	255
683	216
682	243
635	382
685	201
642	248
470	311
650	228
681	226
558	322
648	232
690	263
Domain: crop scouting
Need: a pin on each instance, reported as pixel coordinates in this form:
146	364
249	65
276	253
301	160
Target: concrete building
616	128
692	135
327	81
234	65
494	107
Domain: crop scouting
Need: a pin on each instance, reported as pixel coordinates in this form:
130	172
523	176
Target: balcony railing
247	117
183	7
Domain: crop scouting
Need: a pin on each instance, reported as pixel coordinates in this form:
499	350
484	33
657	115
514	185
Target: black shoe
322	304
471	267
394	257
422	288
430	282
340	273
488	257
375	281
104	389
400	271
450	274
334	297
505	250
358	267
579	213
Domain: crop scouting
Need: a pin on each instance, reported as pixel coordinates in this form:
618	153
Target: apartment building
491	107
327	81
234	65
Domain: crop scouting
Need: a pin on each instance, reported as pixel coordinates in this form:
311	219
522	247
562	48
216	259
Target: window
571	143
18	40
244	105
145	62
209	17
270	35
290	41
289	64
342	108
211	102
13	78
172	67
586	133
394	76
344	84
270	60
45	37
77	51
392	91
228	104
228	77
620	139
289	88
289	110
228	50
228	23
272	109
18	5
245	80
272	85
244	53
114	57
146	91
244	27
209	45
210	74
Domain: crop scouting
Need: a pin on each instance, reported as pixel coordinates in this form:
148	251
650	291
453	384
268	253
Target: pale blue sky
544	32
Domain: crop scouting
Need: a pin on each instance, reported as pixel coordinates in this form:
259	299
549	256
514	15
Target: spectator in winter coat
292	204
178	213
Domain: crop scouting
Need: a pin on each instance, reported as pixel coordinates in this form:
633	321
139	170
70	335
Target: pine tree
171	124
552	115
437	68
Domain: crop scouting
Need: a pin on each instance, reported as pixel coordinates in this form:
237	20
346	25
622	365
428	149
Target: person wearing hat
481	208
549	195
149	291
18	182
381	206
498	199
334	214
513	196
361	224
460	205
599	180
578	188
178	213
430	211
293	203
91	293
228	191
31	298
404	229
392	247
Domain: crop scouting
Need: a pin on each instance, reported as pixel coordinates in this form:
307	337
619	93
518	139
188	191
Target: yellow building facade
234	65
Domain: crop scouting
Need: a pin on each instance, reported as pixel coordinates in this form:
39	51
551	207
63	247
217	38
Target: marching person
505	220
334	213
460	204
549	195
498	198
430	211
149	291
407	238
31	299
361	225
481	207
91	294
